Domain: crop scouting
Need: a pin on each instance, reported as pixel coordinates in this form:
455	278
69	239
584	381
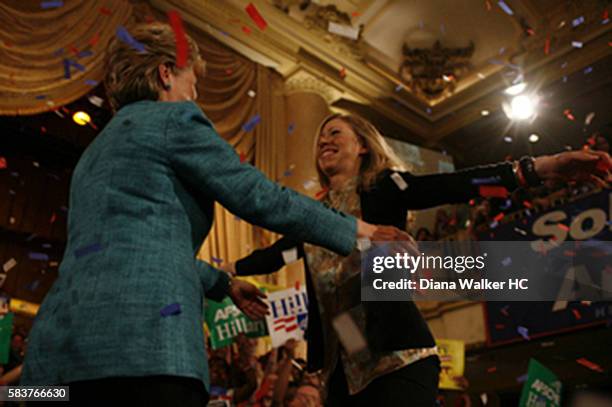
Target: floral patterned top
332	276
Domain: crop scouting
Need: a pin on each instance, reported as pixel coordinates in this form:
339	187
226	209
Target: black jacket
389	325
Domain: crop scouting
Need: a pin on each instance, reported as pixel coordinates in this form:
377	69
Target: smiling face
338	149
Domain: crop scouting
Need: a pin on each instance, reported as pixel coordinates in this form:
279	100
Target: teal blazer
141	204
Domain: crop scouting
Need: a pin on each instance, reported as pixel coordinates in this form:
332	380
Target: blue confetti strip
172	309
291	128
505	7
399	87
506	262
93	248
68	63
85	54
250	125
287	173
91	82
588	70
51	4
577	21
488	180
38	256
124	35
40	97
524	332
217	260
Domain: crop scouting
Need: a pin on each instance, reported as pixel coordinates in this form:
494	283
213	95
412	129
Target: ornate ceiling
532	38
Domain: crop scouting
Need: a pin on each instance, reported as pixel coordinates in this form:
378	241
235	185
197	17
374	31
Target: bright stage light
533	138
81	118
521	107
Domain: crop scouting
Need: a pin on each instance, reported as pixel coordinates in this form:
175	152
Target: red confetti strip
355	14
43	129
246	30
94	40
3	163
492	369
530	31
472	202
605	15
499	217
547	46
568	113
182	48
488	5
53	218
74	50
493	191
563	227
591	141
321	193
527	204
343	72
589	365
256	17
576	314
105	11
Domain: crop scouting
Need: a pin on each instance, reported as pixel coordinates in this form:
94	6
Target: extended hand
575	165
248	298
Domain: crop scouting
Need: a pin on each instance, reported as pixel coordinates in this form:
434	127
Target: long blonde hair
379	155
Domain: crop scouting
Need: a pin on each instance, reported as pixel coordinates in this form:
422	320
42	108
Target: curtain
34	42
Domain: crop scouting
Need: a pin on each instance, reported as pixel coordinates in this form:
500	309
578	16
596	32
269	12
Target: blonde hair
132	75
379	156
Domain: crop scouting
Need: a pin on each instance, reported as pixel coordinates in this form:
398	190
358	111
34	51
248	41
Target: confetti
94	40
589	118
488	5
342	72
256	17
588	70
250	125
484	399
51	4
520	231
251	93
93	248
321	193
343	30
577	21
499	217
521	378
9	265
399	181
589	365
216	260
488	180
310	184
84	54
38	256
172	309
69	63
3	163
123	34
91	82
290	128
348	333
105	11
246	30
505	7
399	87
291	255
568	114
493	191
46	245
180	39
576	314
494	224
95	100
547	46
492	369
524	332
506	205
506	262
577	44
53	218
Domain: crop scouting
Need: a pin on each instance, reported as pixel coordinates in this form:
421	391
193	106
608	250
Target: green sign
225	321
542	388
6	330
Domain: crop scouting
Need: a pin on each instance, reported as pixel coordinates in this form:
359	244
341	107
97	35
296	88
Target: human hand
248	299
583	165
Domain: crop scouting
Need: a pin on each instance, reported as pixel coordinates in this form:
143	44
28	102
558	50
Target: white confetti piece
9	265
351	338
399	181
343	30
289	256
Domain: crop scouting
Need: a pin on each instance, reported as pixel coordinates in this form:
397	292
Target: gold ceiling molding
302	81
34	46
432	73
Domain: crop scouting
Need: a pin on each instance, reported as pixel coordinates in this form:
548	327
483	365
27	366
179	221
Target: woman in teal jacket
125	314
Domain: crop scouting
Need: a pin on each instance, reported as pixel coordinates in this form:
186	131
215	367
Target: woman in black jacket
399	366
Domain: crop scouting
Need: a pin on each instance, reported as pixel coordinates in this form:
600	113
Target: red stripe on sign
492	191
291	328
256	17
